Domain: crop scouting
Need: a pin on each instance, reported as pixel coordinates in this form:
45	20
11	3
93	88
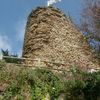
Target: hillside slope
24	83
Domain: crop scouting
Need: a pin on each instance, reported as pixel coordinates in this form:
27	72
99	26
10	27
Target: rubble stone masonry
52	36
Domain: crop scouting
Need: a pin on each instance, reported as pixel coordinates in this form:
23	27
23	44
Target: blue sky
13	17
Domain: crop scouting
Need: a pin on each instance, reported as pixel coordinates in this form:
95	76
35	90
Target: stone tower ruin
50	35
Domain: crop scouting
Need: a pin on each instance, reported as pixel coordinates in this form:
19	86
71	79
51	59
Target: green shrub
43	82
12	60
37	83
11	91
83	86
92	86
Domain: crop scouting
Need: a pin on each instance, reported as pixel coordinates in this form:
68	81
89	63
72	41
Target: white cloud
20	53
5	43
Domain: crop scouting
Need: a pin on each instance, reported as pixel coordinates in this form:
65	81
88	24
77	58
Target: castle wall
51	36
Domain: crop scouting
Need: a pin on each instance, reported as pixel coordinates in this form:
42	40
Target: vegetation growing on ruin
20	83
